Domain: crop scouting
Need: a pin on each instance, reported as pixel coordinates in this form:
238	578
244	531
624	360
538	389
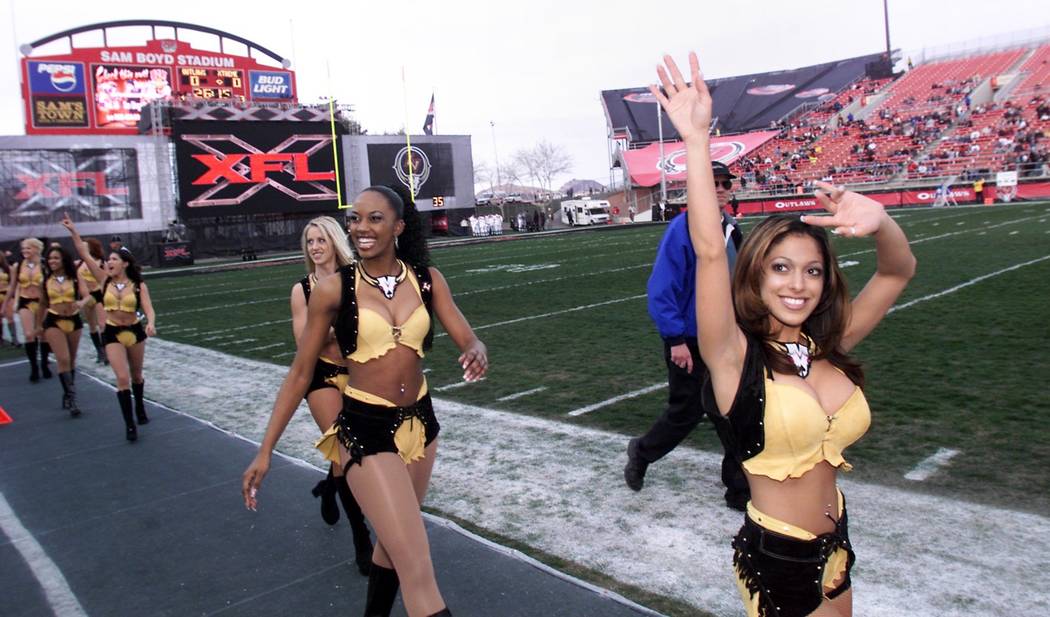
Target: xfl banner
40	186
229	168
428	168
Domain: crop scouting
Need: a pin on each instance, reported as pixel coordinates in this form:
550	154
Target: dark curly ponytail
411	244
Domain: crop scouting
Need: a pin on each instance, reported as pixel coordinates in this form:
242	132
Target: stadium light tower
886	22
495	153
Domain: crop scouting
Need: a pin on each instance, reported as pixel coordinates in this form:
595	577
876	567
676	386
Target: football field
954	372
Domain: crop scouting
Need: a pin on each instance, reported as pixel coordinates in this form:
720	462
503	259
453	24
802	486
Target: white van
585	212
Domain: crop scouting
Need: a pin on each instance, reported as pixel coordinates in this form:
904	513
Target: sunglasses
726	184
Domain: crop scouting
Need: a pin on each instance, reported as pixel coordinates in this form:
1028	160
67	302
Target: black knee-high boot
382	591
45	351
356	518
34	371
124	398
140	403
69	401
326	489
100	354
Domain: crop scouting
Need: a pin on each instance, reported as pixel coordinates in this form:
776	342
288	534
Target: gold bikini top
127	302
376	336
60	290
799	434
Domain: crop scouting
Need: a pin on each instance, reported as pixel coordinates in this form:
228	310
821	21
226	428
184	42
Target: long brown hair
826	325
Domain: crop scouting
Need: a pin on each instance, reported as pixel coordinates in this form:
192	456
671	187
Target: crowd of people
54	295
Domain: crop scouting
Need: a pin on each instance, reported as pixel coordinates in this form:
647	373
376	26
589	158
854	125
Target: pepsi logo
770	90
63	76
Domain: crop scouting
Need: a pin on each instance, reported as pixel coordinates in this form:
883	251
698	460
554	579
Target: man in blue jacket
672	306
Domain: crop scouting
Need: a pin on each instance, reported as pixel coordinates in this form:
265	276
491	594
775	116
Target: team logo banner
231	168
40	186
58	94
427	167
275	85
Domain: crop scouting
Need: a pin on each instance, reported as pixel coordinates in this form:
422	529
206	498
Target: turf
960	371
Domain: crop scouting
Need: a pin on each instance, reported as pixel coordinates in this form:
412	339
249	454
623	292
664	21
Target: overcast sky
535	68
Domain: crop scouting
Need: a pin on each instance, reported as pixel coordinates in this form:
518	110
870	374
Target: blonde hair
336	238
33	242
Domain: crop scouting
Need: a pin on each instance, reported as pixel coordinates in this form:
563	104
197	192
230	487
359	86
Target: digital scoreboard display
207	83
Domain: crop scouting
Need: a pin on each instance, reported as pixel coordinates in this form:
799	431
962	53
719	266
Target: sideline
549	483
60	597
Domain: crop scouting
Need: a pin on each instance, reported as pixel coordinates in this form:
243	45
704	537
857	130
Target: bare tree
528	161
510	173
551	160
483	175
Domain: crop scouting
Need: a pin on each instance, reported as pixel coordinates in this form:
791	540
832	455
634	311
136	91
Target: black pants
682	415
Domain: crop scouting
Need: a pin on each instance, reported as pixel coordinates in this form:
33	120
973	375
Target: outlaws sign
247	168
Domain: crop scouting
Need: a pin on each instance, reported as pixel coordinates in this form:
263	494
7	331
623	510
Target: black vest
742	432
346	320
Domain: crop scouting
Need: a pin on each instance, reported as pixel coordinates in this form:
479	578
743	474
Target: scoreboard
209	83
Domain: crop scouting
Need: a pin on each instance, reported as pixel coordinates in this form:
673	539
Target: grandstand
948	120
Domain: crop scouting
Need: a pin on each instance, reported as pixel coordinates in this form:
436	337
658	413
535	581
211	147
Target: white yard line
13	363
517	395
617	399
966	284
950	234
455	385
665	539
553	313
551	280
223	292
931	464
260	348
239	341
588	257
56	589
220	307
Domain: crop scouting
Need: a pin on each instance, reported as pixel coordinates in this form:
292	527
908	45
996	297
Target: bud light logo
271	85
56	77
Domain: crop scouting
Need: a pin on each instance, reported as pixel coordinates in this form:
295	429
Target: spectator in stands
672	306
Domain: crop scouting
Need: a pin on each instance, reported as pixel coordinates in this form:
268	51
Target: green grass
961	371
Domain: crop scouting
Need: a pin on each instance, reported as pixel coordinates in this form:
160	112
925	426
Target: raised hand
687	106
68	224
852	215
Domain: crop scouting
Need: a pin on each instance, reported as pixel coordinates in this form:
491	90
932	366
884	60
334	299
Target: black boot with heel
382	591
326	490
34	370
356	518
69	399
124	397
140	402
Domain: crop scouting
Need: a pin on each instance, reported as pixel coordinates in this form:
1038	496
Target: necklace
386	284
60	279
120	286
800	353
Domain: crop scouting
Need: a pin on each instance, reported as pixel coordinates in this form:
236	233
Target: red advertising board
104	89
917	197
644	164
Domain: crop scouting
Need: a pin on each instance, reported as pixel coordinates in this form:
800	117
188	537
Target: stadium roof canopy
741	103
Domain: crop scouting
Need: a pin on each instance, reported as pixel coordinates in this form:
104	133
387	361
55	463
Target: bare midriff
804	502
396	376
